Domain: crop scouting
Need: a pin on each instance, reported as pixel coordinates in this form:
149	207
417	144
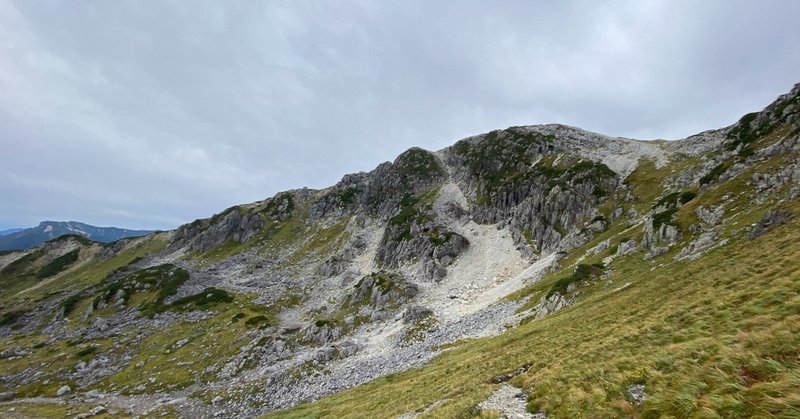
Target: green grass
321	242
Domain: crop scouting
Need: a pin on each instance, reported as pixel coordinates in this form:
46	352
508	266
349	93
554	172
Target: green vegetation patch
280	207
162	280
260	320
413	209
501	156
71	302
589	168
383	280
673	199
714	174
204	299
22	264
503	163
745	134
582	272
417	163
325	322
439	238
58	264
10	317
664	217
85	352
348	195
687	196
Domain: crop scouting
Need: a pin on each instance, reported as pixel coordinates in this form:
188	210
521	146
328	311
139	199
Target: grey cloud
145	114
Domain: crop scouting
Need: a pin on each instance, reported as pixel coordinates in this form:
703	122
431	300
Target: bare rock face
347	348
380	191
232	224
665	233
659	227
656	252
381	289
626	247
238	224
429	244
514	177
710	217
771	219
551	304
321	333
415	313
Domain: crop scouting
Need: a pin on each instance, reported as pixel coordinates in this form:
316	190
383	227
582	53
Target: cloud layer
152	114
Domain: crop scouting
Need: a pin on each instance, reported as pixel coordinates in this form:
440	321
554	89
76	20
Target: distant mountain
47	230
9	231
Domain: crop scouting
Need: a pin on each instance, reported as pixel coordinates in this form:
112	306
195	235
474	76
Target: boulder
415	313
63	391
771	219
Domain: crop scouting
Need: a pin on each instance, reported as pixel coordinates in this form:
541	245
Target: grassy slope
716	337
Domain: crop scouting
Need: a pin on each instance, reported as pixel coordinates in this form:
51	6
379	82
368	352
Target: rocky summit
534	271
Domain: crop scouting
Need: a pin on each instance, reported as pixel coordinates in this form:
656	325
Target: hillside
19	239
544	271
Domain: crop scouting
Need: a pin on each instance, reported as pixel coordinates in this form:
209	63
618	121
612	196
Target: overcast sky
149	114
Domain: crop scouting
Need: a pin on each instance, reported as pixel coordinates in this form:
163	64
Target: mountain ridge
48	230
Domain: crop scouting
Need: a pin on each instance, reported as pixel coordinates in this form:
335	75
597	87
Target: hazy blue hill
47	230
6	232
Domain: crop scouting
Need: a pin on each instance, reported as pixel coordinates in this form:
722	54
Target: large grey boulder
551	304
63	391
